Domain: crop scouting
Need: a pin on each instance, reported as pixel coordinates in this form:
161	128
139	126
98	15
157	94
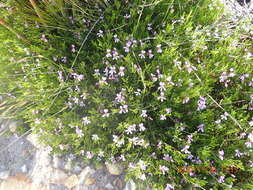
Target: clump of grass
155	85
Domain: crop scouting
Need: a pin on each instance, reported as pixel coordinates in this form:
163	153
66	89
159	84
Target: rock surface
25	164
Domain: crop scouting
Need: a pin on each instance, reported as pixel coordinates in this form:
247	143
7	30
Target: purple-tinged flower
201	103
150	55
221	154
189	138
116	39
86	121
89	155
201	127
60	76
100	33
185	149
115	54
190	156
142	54
142	165
169	187
120	98
123	109
251	163
168	158
189	67
112	70
127	16
163	169
237	153
161	86
243	77
221	179
248	144
242	135
79	132
43	38
122	158
159	145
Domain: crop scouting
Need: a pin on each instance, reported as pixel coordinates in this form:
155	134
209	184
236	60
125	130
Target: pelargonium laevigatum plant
154	85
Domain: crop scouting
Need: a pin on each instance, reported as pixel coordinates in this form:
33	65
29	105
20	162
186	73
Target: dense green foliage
156	85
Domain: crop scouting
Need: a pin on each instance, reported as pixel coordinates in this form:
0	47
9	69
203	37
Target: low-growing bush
154	85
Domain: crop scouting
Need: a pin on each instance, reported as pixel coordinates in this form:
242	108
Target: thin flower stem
236	122
36	9
6	25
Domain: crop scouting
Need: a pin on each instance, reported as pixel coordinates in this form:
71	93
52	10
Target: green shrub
156	85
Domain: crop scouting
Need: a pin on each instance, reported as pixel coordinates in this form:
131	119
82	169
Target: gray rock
4	174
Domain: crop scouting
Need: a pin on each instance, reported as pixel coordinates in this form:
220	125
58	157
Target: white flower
141	127
161	86
130	129
120	97
142	165
250	136
168	110
105	114
142	54
144	113
86	121
248	144
121	71
237	153
169	187
161	97
185	149
118	141
142	177
101	154
221	154
79	132
100	33
201	127
138	92
162	117
158	48
95	137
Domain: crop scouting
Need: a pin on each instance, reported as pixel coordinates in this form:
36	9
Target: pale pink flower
164	169
89	155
